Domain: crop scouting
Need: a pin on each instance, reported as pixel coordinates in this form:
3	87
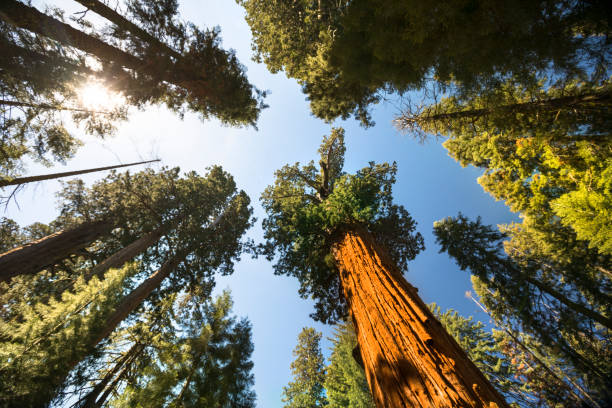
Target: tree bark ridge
410	360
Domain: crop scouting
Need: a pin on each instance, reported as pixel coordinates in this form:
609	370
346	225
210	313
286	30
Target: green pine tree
345	383
308	372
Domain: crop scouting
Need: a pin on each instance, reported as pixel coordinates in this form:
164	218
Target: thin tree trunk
135	298
119	258
194	367
100	402
573	102
33	179
108	13
31	19
45	106
90	399
410	360
587	398
35	256
604	321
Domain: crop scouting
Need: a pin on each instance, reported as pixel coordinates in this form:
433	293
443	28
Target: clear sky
430	185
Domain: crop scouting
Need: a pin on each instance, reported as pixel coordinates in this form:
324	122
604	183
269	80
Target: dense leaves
566	312
307	208
308	372
344	53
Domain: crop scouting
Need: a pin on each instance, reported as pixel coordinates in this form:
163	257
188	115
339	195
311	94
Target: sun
95	96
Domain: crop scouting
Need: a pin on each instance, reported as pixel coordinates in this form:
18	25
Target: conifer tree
308	371
346	53
546	305
345	382
347	243
151	56
209	365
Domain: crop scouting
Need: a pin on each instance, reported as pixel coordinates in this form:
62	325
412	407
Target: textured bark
410	360
35	256
33	179
162	68
31	19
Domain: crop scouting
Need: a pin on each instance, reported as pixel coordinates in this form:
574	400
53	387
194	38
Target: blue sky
430	185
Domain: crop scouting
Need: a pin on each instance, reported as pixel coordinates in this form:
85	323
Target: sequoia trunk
410	360
35	256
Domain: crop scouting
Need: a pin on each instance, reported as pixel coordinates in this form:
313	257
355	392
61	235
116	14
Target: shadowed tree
149	56
207	240
347	243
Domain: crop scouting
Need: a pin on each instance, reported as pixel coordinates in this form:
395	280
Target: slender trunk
31	19
111	15
33	179
119	258
90	399
35	256
45	106
194	367
587	398
136	297
604	321
163	69
410	360
573	102
113	386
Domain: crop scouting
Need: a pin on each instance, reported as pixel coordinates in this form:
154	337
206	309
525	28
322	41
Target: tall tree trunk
89	401
112	387
135	298
572	102
44	106
31	19
410	360
111	15
577	307
119	258
33	179
35	256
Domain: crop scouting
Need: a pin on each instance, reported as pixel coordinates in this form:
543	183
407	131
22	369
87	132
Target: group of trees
111	302
147	54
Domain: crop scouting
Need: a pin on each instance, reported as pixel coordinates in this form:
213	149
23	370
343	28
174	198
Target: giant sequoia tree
347	243
344	53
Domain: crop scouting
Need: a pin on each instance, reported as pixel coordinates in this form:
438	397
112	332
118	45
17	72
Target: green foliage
307	209
561	304
345	53
204	361
308	370
37	350
345	383
485	351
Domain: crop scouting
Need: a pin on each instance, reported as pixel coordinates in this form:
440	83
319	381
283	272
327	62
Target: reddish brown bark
37	255
32	179
410	360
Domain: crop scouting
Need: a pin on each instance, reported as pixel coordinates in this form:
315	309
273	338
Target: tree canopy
307	207
345	53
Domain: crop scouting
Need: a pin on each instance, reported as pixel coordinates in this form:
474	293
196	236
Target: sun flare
94	95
